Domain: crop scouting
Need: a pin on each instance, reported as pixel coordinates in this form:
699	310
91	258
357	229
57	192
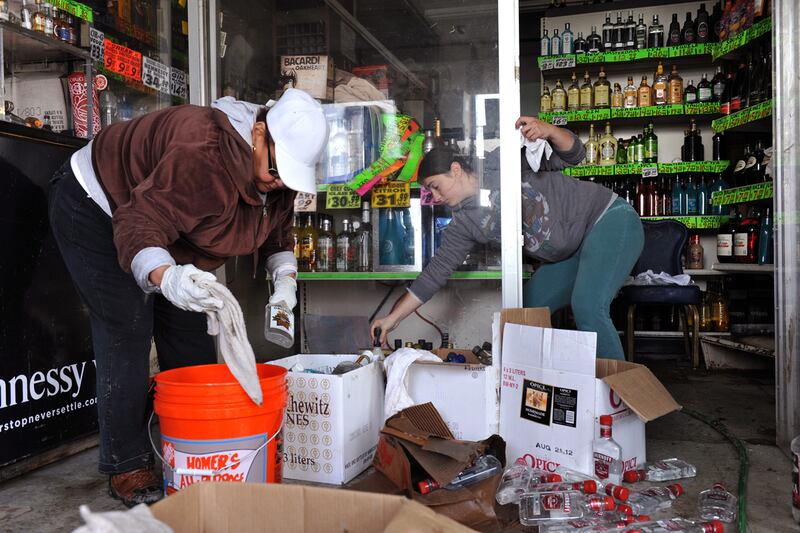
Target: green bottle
632	150
622	154
651	145
639	149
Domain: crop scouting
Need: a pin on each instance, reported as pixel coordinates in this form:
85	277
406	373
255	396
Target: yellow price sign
392	194
340	196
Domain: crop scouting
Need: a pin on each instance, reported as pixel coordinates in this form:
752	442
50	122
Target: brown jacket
182	179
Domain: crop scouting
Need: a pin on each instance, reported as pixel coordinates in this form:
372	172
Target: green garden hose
744	463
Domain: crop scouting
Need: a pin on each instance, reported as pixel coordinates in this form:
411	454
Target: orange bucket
212	431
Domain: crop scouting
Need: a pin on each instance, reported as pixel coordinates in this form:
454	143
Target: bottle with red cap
619	493
607	454
717	503
520	478
677	525
484	467
654	499
571	475
541	506
590	524
587	487
664	470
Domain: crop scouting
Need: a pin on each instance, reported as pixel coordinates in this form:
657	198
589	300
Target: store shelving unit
695	222
655	112
388	276
710	167
748	116
747	193
740	268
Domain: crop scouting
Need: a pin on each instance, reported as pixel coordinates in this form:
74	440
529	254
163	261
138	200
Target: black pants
124	320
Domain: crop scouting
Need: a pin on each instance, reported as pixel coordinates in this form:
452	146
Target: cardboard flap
417	423
418	518
525	316
440	467
641	391
556	349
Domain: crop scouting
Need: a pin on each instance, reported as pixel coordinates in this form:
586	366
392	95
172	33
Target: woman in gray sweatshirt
587	238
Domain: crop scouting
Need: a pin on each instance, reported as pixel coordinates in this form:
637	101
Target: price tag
75	8
155	75
650	172
392	194
426	197
122	60
177	82
658	53
305	202
559	120
547	64
564	62
96	44
340	196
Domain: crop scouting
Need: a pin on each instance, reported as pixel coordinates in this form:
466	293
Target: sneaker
135	487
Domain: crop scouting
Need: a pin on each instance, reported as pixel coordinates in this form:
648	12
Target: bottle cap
608	503
625	509
643	518
550	478
606	420
590	486
632	476
715	526
427	486
620	493
676	489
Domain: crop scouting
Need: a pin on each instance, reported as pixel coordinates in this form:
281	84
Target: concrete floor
48	499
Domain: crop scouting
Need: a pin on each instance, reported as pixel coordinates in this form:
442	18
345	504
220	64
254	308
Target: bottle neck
605	432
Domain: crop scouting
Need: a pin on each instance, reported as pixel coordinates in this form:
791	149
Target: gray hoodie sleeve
456	244
561	160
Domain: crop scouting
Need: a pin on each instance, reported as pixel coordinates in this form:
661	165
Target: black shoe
135	487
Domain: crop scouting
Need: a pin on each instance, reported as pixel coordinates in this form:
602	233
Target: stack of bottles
746	238
320	249
44	18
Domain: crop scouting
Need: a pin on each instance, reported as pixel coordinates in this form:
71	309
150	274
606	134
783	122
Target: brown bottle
660	86
694	253
645	93
675	94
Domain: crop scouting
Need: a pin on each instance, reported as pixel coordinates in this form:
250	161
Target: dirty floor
48	499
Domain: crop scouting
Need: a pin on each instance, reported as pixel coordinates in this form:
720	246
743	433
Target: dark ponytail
438	161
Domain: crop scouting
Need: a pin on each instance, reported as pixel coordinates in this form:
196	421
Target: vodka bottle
570	475
717	503
538	507
586	487
607	454
592	524
665	470
654	499
514	482
619	493
677	525
484	467
363	251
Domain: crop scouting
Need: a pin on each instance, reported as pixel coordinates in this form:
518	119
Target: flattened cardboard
638	388
262	508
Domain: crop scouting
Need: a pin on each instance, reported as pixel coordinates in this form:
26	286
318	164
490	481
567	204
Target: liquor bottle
725	98
25	19
482	468
514	482
654	499
660	86
664	470
630	148
639	149
703	197
719	184
622	152
655	34
326	246
745	240
296	232
607	454
344	251
567	40
48	20
702	29
675	93
587	93
619	32
608	34
715	23
629	95
73	30
630	32
608	147
555	43
616	97
546	101
651	145
644	93
718	84
694	254
755	91
757	168
594	42
592	148
641	33
59	31
739	179
674	35
765	251
545	51
38	17
665	208
559	97
602	91
574	94
737	95
704	90
363	251
308	245
678	198
690	93
580	44
642	207
717	503
691	196
687	33
725	240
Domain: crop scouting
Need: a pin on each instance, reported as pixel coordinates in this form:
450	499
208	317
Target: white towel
136	520
396	365
662	278
534	150
228	324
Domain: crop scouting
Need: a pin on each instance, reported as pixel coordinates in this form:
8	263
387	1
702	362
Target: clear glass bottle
537	507
514	483
616	97
587	93
675	94
4	14
574	94
717	503
38	17
630	32
546	101
484	467
363	250
629	94
654	499
308	245
592	148
344	250
655	34
48	20
607	454
279	324
644	94
602	91
326	246
567	39
660	86
619	32
678	525
25	18
555	43
559	97
545	51
608	147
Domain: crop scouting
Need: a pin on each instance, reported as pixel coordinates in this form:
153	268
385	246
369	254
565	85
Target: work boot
135	487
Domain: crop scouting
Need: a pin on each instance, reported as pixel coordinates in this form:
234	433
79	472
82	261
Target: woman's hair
438	161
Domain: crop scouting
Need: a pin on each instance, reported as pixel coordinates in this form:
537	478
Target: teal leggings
591	278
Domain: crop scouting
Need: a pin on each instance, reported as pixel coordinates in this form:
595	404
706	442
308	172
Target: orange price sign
122	60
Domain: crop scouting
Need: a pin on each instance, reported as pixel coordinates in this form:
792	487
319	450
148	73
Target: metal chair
664	241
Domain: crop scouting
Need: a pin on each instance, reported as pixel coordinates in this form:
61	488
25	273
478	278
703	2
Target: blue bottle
545	45
717	185
765	250
555	44
392	246
408	238
703	198
691	197
567	40
678	198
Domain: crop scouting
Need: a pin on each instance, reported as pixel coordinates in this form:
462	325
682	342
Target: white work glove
284	290
180	285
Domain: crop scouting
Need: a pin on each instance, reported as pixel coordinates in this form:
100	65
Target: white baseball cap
298	126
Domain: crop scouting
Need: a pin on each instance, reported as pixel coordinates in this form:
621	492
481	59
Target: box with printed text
312	74
332	422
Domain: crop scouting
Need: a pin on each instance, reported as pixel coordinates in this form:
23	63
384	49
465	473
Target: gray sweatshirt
557	213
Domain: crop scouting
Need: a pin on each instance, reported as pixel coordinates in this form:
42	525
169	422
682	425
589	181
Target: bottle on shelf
738	98
593	42
704	90
639	149
675	93
555	43
765	248
592	148
644	93
326	246
703	197
25	18
48	20
630	148
38	17
574	94
630	32
655	34
691	196
678	198
745	240
754	168
619	32
308	245
559	97
363	238
608	147
344	250
642	206
608	34
629	95
725	236
296	233
602	91
688	35
660	86
674	35
727	91
690	93
719	184
586	92
650	145
694	253
616	97
580	45
702	28
545	50
607	454
640	32
622	152
73	30
718	84
545	102
739	178
705	312
567	40
717	503
60	26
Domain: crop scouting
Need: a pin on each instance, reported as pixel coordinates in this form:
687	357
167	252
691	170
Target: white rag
534	150
139	519
396	365
228	324
651	278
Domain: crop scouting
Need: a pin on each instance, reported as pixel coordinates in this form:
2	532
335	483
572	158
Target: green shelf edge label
749	193
81	11
744	116
694	222
753	32
709	167
590	115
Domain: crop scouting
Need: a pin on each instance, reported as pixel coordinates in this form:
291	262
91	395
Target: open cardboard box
260	508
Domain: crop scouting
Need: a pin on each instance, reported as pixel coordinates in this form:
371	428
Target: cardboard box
313	74
554	390
377	75
257	508
332	421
